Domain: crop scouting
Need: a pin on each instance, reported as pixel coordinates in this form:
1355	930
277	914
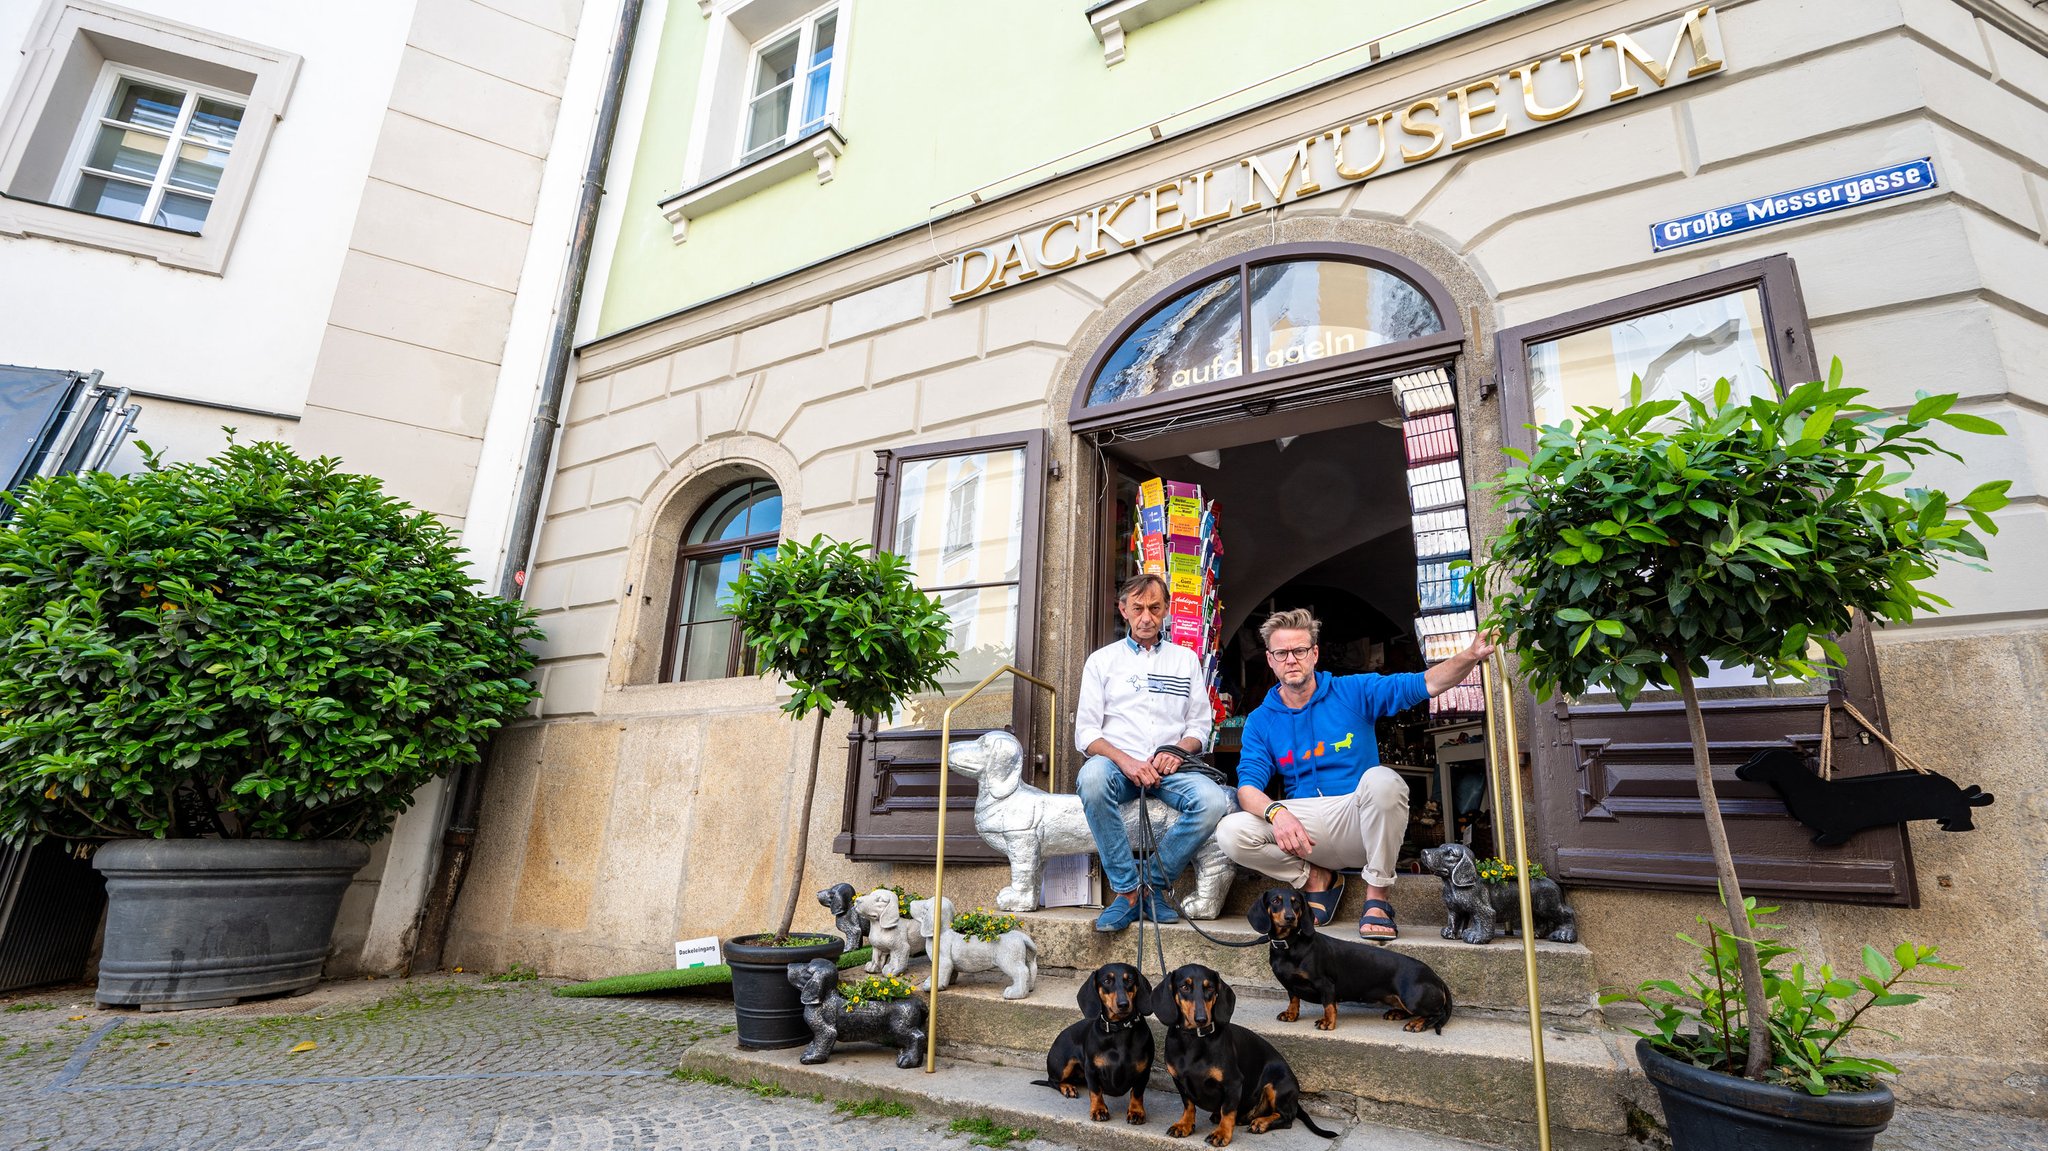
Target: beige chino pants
1363	829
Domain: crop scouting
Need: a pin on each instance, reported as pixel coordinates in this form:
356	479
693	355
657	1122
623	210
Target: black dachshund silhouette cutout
1839	808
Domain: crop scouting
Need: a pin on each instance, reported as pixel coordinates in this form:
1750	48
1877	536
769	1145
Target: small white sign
697	952
1068	881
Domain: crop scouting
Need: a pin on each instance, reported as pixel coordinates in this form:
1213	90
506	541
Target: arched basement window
1267	321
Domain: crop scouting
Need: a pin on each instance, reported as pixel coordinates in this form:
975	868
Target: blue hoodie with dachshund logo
1324	746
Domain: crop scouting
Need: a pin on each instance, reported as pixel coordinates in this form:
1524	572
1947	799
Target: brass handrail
939	924
1509	760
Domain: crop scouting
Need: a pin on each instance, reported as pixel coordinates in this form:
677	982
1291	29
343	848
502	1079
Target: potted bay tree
1643	542
843	626
226	679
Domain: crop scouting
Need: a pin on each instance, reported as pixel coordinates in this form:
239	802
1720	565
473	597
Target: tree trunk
1756	1009
803	832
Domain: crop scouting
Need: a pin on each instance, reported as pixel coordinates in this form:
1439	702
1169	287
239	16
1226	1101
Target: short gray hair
1296	619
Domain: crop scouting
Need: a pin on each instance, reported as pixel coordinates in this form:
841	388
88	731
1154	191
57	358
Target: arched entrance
1278	430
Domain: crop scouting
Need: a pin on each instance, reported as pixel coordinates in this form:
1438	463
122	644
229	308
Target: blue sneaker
1120	913
1160	906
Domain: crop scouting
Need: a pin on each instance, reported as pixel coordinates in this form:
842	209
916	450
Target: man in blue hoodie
1342	807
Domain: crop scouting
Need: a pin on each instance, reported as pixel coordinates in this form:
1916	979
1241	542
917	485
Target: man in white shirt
1139	696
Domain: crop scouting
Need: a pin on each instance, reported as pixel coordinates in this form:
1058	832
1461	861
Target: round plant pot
1709	1111
209	922
767	1007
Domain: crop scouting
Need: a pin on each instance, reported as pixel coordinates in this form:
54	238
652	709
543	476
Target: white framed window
156	152
791	90
768	102
133	133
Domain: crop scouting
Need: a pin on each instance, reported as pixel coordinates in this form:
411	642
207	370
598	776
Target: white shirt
1141	698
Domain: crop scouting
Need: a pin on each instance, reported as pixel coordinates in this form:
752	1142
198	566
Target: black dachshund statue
1839	808
838	899
1475	908
898	1023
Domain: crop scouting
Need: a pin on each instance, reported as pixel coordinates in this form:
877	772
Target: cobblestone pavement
462	1063
446	1062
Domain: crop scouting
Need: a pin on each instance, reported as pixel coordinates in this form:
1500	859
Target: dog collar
1109	1028
1278	944
1204	1032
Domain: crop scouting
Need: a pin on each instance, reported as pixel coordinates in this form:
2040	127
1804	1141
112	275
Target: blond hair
1296	619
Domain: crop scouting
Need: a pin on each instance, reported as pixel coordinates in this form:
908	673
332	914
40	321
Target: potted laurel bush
843	626
230	677
1644	541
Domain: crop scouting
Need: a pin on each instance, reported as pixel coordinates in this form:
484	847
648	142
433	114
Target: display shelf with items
1466	697
1174	535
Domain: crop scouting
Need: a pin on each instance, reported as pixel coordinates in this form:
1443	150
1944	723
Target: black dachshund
1839	808
1326	970
1109	1052
1220	1067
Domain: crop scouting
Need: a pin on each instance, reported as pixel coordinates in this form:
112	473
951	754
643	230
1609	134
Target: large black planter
769	1013
209	922
1709	1111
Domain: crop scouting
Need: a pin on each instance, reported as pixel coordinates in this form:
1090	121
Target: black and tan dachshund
1220	1067
1326	970
1109	1052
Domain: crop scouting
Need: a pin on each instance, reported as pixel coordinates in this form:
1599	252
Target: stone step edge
860	1073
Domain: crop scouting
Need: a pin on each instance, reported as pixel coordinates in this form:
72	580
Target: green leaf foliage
1810	1010
256	646
843	625
1665	534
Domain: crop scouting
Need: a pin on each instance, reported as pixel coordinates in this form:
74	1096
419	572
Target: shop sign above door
1577	81
1797	204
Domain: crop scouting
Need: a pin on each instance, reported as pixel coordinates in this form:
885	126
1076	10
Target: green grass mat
710	975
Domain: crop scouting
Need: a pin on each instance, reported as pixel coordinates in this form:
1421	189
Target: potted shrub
1815	1095
238	671
1644	541
843	626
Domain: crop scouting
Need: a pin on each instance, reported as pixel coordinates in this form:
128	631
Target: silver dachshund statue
1474	908
1029	825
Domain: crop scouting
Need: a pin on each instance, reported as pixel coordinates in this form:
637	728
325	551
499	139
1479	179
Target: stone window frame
68	49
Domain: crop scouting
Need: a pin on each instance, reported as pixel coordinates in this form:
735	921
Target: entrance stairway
1474	1082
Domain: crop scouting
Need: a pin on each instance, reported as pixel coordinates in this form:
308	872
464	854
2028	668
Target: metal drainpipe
432	926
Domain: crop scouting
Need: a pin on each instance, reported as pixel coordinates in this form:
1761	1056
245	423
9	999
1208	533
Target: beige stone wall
637	812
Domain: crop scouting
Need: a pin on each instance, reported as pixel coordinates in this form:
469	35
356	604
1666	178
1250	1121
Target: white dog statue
1012	952
896	940
1030	825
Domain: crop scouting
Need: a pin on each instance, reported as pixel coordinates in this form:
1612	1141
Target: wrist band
1273	807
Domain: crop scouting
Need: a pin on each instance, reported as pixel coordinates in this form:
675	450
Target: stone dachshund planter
896	940
1013	953
1475	908
838	899
898	1024
1029	825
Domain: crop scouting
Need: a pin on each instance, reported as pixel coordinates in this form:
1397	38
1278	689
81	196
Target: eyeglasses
1290	655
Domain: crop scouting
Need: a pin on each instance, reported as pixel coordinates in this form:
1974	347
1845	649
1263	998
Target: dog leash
1145	906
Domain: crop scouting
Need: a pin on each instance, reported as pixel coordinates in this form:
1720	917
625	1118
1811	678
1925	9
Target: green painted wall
942	96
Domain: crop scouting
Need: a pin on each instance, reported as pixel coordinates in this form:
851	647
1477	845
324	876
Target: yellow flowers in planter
876	989
984	924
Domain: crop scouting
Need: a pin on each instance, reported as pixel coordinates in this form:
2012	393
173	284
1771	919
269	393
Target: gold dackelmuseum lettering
1574	82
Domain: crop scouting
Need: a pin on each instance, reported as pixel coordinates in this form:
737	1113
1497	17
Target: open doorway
1313	508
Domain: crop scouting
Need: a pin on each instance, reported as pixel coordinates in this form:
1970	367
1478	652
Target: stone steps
1475	1081
1484	980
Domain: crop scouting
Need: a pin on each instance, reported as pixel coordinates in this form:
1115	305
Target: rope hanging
1827	742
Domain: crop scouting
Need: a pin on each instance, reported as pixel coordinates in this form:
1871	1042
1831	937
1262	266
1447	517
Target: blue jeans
1104	789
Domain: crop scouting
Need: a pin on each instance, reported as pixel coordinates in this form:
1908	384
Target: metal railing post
1495	677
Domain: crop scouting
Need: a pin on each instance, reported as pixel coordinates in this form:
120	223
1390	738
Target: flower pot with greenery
1815	1096
238	671
1646	540
843	626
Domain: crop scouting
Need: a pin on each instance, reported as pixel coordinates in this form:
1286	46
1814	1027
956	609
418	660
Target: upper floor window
133	133
790	91
740	524
156	152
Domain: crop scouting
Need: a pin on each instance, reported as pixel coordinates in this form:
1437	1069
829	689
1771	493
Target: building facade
1324	264
341	227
